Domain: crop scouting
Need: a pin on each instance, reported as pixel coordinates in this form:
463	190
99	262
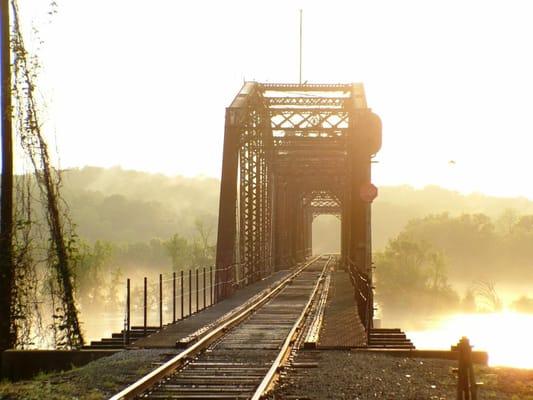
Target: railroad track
241	358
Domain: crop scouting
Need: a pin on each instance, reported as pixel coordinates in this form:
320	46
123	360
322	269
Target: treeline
130	206
422	268
101	268
133	216
397	205
478	247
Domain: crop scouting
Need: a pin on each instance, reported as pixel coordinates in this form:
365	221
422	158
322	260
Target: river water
507	336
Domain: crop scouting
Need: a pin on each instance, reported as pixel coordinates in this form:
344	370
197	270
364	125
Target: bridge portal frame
292	152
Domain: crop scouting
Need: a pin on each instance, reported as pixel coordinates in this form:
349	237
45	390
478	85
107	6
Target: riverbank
330	375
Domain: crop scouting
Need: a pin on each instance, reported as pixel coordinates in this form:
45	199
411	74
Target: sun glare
506	336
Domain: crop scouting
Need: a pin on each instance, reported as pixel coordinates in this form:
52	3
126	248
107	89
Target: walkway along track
241	358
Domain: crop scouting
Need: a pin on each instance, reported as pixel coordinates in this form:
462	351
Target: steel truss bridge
293	152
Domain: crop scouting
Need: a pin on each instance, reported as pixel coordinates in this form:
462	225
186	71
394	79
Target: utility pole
7	270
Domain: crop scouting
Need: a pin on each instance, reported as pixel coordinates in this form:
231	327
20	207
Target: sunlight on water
100	325
506	336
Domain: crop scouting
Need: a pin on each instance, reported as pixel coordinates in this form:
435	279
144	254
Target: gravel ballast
320	375
359	375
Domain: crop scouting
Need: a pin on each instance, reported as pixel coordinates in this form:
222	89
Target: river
507	336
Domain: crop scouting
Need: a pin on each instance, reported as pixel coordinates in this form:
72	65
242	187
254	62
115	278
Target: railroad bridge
292	152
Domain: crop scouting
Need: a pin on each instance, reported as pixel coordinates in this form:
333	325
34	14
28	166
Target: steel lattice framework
292	152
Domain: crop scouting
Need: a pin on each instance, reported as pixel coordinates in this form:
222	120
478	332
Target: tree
506	221
90	271
204	229
411	275
178	251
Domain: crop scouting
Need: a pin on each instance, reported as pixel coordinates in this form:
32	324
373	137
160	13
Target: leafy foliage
411	275
60	237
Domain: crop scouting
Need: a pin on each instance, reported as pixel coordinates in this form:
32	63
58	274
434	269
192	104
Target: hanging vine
61	250
26	314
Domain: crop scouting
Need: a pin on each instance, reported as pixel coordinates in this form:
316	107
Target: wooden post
466	383
160	300
197	291
173	297
145	299
128	315
204	288
181	294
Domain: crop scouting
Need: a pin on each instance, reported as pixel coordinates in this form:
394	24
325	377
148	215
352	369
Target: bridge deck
169	335
341	326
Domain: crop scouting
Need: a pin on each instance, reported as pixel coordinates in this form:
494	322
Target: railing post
144	302
204	288
216	289
160	301
181	294
210	286
128	315
190	292
197	291
173	297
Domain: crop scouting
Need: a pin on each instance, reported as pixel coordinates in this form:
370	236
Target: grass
97	380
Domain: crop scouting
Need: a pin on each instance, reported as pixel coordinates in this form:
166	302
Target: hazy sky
144	84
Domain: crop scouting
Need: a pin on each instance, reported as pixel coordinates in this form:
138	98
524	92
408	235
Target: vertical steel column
281	225
365	140
308	232
227	222
346	218
297	240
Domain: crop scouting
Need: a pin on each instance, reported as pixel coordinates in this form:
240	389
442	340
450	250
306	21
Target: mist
468	241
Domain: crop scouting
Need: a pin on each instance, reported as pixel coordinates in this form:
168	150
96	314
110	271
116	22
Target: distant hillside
396	205
128	206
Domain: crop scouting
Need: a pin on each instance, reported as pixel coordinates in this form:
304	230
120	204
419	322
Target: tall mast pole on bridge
301	38
7	273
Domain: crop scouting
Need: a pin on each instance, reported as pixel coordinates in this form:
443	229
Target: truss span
292	152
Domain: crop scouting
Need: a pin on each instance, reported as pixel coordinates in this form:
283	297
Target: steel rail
268	381
182	358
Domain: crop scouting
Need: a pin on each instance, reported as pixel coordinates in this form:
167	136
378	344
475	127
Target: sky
144	85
